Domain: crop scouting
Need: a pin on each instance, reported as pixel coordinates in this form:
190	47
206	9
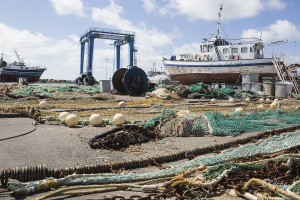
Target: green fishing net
213	172
164	116
51	91
296	187
218	124
198	88
237	123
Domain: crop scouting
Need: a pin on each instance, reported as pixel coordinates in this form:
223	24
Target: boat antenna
260	36
219	20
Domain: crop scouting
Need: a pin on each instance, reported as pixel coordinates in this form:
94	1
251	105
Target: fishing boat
17	69
221	60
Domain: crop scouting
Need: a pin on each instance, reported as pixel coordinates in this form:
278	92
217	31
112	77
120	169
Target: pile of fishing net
270	177
122	137
161	93
50	91
218	124
170	123
275	159
201	90
160	79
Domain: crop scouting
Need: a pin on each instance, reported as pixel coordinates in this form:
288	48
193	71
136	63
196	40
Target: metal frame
120	37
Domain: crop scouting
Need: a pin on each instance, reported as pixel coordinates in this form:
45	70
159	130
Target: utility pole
106	59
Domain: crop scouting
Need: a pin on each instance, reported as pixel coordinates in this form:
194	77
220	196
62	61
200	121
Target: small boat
221	60
13	71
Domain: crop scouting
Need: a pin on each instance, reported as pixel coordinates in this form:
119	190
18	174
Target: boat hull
229	78
228	72
13	75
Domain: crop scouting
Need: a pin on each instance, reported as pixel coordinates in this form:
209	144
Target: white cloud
207	10
274	4
149	5
152	6
111	16
280	30
13	38
233	9
68	7
149	40
294	59
61	57
187	48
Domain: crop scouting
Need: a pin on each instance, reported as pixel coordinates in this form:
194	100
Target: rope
273	188
10	115
26	133
95	188
236	82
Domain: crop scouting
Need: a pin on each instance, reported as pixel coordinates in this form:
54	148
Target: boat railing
280	57
244	40
284	72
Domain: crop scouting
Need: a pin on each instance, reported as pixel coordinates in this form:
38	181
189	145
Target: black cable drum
117	80
135	81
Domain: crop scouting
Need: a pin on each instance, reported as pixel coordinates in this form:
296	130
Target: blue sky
47	32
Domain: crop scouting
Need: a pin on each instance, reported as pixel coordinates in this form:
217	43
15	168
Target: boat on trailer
221	60
13	71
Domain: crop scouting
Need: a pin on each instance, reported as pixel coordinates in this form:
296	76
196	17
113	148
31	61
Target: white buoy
268	100
275	104
261	107
247	99
62	116
118	119
95	120
122	104
239	110
231	100
43	105
72	120
261	100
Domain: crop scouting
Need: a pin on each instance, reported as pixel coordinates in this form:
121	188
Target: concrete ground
57	146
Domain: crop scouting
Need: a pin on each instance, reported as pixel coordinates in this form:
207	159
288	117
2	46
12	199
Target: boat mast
1	60
219	21
220	26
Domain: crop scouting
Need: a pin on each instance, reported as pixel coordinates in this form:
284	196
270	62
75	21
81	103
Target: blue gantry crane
120	38
132	80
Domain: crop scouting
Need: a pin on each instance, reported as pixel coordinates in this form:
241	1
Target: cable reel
133	81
